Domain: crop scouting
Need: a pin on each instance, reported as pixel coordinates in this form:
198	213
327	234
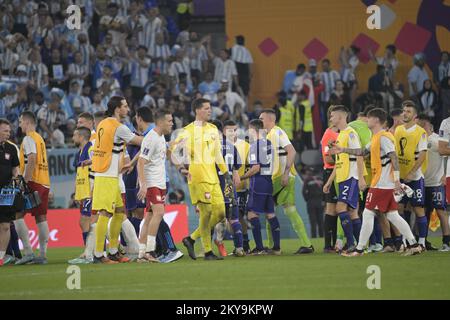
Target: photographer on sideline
9	168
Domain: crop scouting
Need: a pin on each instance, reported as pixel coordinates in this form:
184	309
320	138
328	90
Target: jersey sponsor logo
207	195
403	142
145	151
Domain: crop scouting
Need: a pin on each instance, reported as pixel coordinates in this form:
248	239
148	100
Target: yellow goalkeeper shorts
206	193
106	195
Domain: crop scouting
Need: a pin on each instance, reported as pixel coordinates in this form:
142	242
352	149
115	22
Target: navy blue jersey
232	160
261	154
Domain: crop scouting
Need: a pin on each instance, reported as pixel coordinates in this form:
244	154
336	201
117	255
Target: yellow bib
82	185
343	159
406	144
375	155
103	147
40	174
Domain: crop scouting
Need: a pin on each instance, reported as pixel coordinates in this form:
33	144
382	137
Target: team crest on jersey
351	135
423	136
207	195
7	156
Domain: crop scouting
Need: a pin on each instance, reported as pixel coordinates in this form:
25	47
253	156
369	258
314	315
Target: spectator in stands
78	71
340	95
299	81
443	78
349	62
140	64
37	71
50	118
86	49
304	117
417	75
150	99
389	60
160	56
232	98
38	103
179	66
97	105
197	55
328	77
428	99
74	97
151	28
224	67
112	85
57	71
222	112
285	112
312	68
86	102
243	60
257	109
209	87
114	23
377	82
9	58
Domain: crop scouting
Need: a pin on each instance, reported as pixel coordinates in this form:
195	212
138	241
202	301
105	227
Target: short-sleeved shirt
9	159
122	135
353	143
154	150
435	168
224	70
261	154
444	135
418	76
328	136
232	160
385	181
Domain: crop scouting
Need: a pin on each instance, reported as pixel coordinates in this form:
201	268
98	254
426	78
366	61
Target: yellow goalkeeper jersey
201	146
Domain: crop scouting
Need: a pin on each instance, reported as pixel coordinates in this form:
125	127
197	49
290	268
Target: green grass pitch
317	276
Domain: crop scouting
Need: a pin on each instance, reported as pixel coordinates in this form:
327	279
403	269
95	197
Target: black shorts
330	197
7	216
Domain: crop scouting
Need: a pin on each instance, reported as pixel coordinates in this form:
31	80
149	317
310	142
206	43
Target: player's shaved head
84	132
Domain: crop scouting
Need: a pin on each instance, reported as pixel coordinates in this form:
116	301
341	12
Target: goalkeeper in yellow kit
201	149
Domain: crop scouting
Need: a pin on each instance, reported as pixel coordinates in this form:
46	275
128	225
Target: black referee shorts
330	197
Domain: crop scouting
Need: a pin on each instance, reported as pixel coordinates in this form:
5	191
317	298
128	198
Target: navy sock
398	240
275	228
347	226
446	240
237	234
164	227
356	224
122	240
422	224
256	224
377	230
407	216
136	222
388	242
372	239
14	242
85	234
160	248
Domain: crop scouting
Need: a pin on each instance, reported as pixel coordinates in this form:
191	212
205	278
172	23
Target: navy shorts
435	198
260	203
86	207
132	202
349	192
418	198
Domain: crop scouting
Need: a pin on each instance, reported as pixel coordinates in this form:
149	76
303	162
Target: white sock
220	231
90	243
422	241
130	236
22	232
2	254
366	228
113	251
142	248
151	243
43	238
401	225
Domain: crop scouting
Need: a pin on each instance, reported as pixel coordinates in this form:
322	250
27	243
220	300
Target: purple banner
209	7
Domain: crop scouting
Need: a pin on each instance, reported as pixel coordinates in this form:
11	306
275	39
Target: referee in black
9	168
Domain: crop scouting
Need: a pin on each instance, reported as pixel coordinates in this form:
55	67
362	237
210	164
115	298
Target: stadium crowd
131	76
